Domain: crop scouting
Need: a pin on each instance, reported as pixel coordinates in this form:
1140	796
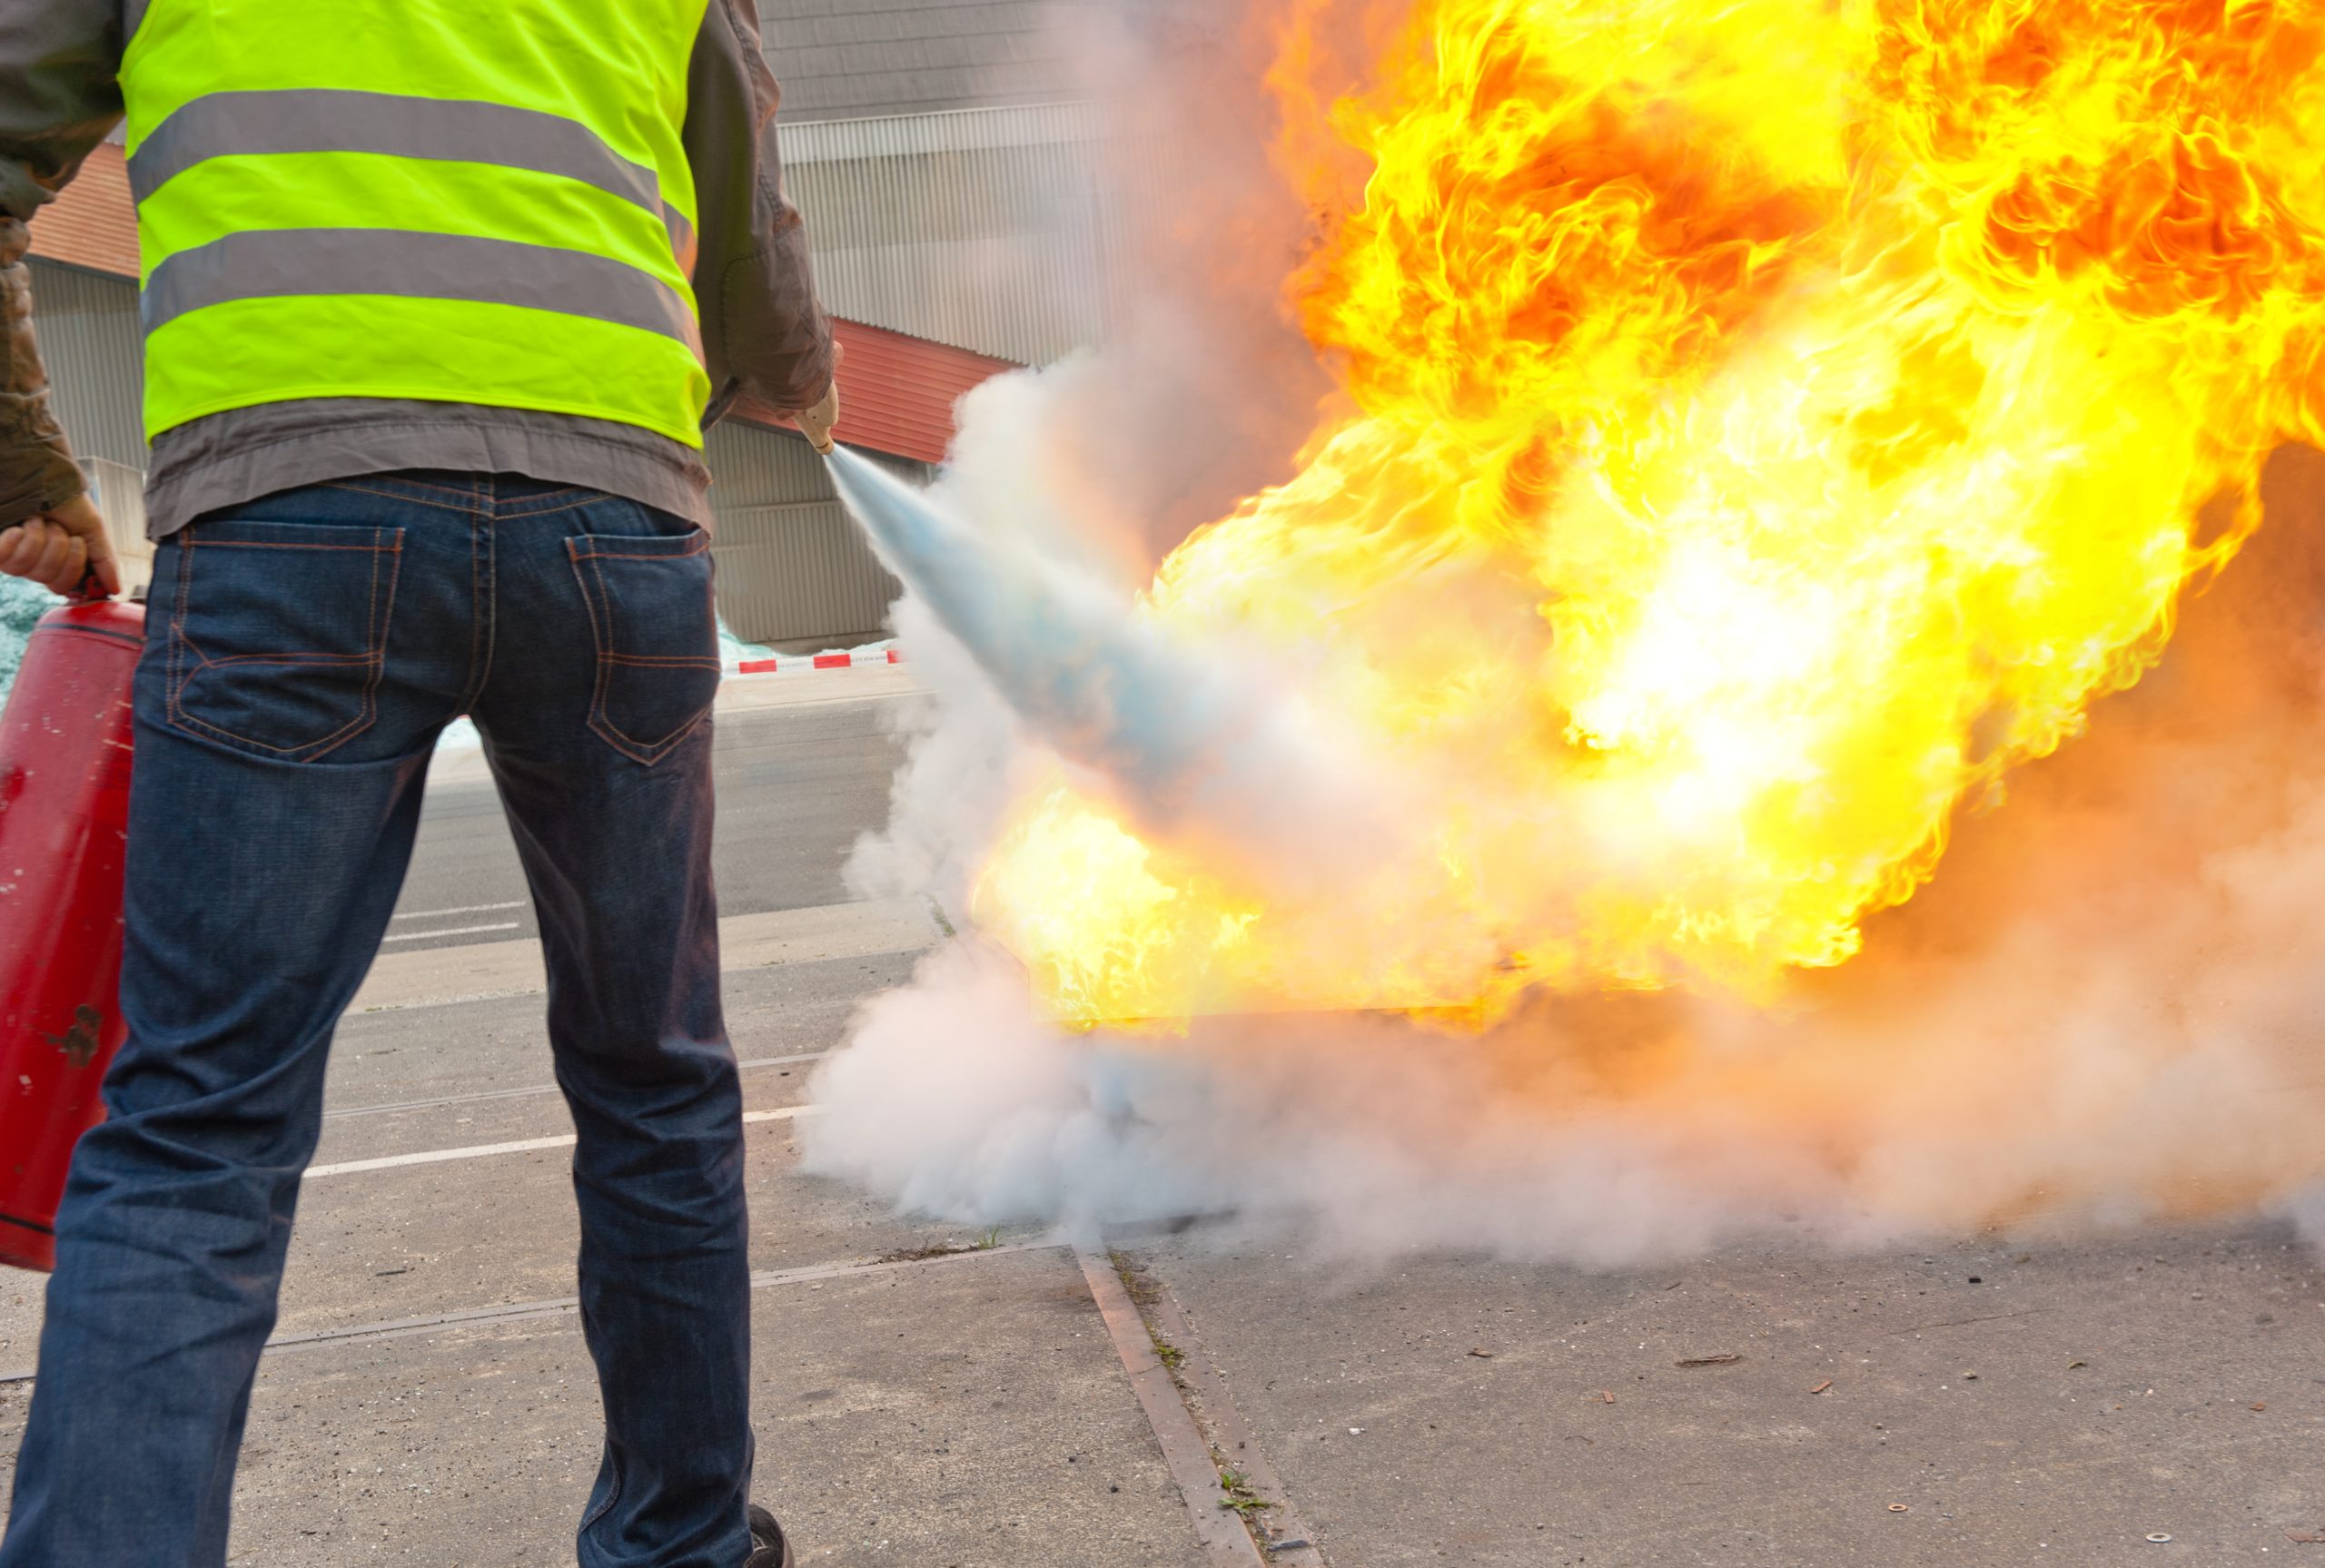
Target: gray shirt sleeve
763	333
60	62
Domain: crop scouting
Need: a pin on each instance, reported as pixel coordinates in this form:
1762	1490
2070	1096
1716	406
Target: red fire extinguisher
65	756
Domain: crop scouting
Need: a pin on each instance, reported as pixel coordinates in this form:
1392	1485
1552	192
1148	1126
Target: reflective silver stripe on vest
274	263
452	129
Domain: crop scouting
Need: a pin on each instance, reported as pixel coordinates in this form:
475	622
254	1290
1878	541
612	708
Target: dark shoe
768	1548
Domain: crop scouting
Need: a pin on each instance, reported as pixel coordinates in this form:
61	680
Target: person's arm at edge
59	96
765	336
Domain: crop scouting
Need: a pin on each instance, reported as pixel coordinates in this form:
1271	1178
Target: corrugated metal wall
120	493
95	359
97	362
983	228
792	567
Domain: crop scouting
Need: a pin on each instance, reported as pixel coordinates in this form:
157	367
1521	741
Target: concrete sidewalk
1971	1406
931	1395
924	1395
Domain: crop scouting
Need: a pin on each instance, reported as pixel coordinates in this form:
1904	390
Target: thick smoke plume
2106	1010
1183	735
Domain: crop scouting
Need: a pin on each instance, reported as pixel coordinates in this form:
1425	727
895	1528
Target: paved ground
2061	1410
803	767
928	1396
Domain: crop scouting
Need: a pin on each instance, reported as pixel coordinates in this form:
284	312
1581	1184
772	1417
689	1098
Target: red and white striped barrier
789	663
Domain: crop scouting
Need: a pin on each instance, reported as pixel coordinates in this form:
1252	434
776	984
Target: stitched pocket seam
598	602
187	662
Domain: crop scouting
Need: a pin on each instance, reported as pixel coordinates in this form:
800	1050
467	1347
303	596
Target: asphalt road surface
797	785
931	1392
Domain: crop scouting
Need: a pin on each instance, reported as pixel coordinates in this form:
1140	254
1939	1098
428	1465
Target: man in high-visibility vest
438	297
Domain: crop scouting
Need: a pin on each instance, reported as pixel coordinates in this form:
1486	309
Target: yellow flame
1772	422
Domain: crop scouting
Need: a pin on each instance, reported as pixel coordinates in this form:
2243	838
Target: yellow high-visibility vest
462	201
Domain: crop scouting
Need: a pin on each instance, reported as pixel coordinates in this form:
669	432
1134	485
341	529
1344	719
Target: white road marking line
435	1156
521	1146
453	930
464	909
511	964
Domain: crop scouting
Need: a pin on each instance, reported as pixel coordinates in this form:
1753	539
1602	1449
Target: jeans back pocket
656	627
278	632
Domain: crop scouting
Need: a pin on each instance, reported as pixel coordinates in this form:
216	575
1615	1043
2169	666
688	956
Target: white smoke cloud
1179	733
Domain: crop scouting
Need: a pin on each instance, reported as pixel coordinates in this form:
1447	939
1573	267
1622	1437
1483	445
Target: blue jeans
302	653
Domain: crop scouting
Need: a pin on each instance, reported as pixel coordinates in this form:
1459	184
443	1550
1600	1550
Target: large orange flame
1767	423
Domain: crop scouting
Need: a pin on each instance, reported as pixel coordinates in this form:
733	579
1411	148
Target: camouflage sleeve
37	469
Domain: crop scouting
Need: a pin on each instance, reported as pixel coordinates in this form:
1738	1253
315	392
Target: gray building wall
987	228
950	170
89	341
793	567
850	59
95	359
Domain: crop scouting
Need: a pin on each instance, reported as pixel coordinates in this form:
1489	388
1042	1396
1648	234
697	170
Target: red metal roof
93	224
897	392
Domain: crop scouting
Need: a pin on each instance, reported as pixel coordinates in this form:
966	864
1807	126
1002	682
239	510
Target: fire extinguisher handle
90	589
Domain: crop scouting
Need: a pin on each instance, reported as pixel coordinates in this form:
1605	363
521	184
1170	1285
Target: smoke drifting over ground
2106	1010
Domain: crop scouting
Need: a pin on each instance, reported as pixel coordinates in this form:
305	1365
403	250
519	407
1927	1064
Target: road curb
803	664
1226	1544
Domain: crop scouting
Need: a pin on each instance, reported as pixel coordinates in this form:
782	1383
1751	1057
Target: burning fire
1765	425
